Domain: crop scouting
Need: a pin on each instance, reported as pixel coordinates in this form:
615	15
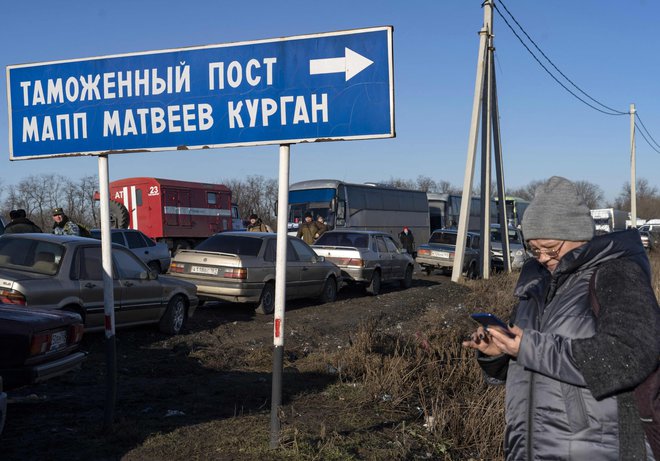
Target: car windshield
447	238
496	236
30	255
232	244
347	239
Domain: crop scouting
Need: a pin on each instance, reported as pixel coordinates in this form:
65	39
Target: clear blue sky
605	47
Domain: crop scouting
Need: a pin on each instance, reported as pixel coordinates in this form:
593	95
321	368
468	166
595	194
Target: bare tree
648	200
526	192
38	195
591	193
255	194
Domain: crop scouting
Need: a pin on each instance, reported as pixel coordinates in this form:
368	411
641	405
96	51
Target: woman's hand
494	341
504	342
481	341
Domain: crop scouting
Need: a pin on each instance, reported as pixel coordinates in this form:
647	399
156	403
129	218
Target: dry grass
427	388
399	394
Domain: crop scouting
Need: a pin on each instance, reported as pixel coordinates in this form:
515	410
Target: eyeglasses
551	253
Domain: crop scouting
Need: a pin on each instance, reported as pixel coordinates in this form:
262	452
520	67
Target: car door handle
90	285
305	268
128	284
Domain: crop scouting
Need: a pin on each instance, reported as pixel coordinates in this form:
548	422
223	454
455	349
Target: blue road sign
322	87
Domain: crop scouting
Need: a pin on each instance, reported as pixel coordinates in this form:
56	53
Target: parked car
37	344
65	272
240	267
440	250
647	240
517	248
650	234
156	255
366	258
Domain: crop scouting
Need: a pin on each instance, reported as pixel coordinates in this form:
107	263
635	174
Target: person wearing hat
256	225
407	241
20	223
308	229
63	225
321	227
568	373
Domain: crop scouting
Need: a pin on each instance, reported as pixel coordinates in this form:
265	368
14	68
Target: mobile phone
491	320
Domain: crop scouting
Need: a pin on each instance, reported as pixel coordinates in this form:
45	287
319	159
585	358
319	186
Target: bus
445	209
366	206
515	208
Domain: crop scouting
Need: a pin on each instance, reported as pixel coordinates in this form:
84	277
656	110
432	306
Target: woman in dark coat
569	374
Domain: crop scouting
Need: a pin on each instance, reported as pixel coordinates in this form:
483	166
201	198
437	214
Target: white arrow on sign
353	63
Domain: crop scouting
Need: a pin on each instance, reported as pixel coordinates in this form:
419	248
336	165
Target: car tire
472	272
407	278
374	286
155	266
174	318
329	292
266	304
428	270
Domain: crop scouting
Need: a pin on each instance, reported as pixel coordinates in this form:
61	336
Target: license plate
58	340
204	270
440	254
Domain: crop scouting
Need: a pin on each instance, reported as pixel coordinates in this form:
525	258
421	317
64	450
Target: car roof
56	238
247	234
47	237
356	231
114	229
454	231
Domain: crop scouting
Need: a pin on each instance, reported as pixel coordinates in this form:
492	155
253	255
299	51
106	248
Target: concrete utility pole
485	99
633	174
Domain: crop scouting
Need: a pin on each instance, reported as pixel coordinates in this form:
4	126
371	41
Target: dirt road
218	371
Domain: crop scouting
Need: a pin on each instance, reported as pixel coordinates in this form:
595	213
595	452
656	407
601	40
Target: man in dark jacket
308	229
20	223
257	225
407	241
321	227
569	374
62	225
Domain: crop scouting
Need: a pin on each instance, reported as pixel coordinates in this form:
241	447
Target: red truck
180	213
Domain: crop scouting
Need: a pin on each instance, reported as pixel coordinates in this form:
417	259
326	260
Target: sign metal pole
108	294
280	294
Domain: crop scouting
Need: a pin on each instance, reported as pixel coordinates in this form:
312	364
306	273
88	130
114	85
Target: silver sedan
240	267
65	272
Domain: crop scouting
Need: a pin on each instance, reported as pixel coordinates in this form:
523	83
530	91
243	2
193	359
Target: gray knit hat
558	212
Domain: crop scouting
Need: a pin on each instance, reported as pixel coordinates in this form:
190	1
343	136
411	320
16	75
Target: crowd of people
62	225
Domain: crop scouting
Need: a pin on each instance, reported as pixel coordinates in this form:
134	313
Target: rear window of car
448	238
30	255
349	239
233	244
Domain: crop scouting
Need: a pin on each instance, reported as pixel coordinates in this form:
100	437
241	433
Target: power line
647	131
609	110
643	131
647	141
